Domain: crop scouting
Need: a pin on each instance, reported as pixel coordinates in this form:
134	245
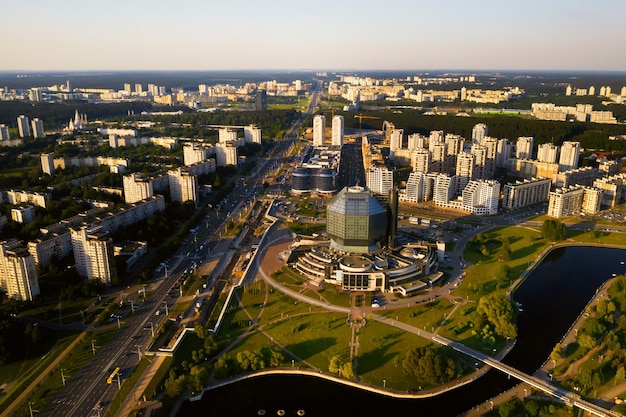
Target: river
552	297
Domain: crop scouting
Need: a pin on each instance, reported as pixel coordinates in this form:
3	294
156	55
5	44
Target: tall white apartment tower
395	140
183	185
18	272
417	141
503	152
47	163
38	132
547	152
137	188
337	131
252	134
319	129
23	126
93	253
524	147
420	160
464	170
568	159
379	180
479	131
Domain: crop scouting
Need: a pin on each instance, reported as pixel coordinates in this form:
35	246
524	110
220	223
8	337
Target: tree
505	250
553	230
174	385
586	341
434	366
334	366
557	352
500	312
347	370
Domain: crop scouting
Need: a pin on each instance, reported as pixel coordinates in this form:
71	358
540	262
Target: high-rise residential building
417	141
38	132
479	131
480	163
568	159
319	129
47	163
23	126
260	102
138	88
526	192
416	190
226	154
436	136
565	201
503	153
438	157
34	94
227	134
194	153
128	89
420	160
592	200
464	170
18	272
444	189
491	154
4	132
337	130
137	188
93	253
395	139
524	147
547	152
454	144
379	180
482	197
252	134
614	189
183	185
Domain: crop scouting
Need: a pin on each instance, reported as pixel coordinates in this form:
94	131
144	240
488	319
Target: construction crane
360	116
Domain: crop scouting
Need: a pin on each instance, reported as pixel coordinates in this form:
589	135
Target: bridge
567	397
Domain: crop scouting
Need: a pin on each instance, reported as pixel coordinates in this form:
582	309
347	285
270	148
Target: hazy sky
320	34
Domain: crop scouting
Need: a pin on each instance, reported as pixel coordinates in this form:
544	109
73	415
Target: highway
87	393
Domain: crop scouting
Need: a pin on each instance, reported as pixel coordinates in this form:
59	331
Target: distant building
319	129
24	214
4	132
379	180
47	163
38	132
137	188
337	130
547	152
260	103
183	185
23	126
568	159
252	134
524	147
479	131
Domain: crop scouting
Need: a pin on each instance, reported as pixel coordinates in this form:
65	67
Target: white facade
227	134
379	180
417	141
524	147
420	160
565	201
47	163
23	126
137	188
337	130
38	132
93	253
183	186
464	169
18	272
504	151
481	197
547	152
444	189
252	134
527	192
568	159
319	129
479	131
226	154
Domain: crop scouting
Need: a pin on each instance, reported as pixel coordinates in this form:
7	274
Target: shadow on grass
309	348
379	357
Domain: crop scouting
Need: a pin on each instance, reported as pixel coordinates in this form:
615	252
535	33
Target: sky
45	35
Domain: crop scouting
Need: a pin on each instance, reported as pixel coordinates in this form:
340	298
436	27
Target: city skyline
349	35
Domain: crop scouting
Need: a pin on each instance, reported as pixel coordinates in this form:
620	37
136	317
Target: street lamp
63	376
151	328
525	392
384	383
139	351
292	363
491	402
93	346
166	310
